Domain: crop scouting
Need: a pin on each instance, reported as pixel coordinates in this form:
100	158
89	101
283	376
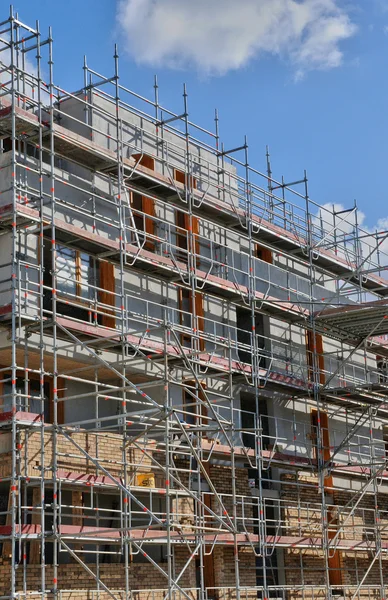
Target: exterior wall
74	577
225	578
101	447
139	135
222	251
302	517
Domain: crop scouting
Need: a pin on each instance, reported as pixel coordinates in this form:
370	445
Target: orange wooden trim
208	568
317	346
334	560
145	161
325	436
335	569
195	232
198	305
107	282
149	224
77	507
193	227
180	177
264	254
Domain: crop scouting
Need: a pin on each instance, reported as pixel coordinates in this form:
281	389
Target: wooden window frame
104	285
263	254
144	160
180	177
323	422
315	346
148	220
78	276
182	223
106	295
199	315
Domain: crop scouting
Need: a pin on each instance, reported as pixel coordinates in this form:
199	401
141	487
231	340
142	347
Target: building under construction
193	379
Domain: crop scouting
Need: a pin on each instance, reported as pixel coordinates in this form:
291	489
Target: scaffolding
193	357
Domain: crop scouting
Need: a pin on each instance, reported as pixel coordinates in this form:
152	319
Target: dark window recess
4	495
382	369
157	553
111	524
32	404
182	236
185	316
248	424
4	506
48	525
264	254
20	146
7	144
244	336
385	438
270	566
248	421
190	407
137	205
271	573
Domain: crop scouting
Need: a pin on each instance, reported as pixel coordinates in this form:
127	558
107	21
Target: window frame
79	282
198	302
145	214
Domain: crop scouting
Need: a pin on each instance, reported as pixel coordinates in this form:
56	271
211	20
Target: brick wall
302	517
221	478
106	448
224	558
225	572
74	577
301	505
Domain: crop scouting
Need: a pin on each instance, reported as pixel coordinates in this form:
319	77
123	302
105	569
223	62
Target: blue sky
307	77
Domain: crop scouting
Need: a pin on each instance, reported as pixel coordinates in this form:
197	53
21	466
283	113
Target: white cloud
382	224
216	36
5	61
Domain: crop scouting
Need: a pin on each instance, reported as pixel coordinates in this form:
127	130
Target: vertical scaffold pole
15	301
41	317
316	383
56	511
